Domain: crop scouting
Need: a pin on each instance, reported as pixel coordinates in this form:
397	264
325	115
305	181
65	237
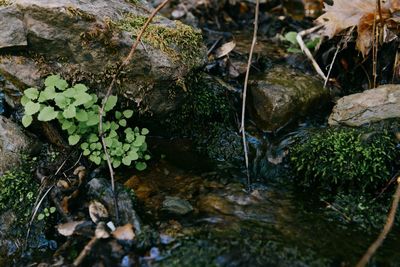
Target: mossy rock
359	160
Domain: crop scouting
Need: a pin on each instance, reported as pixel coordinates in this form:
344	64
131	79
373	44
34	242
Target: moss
206	102
345	159
76	12
18	191
181	42
5	3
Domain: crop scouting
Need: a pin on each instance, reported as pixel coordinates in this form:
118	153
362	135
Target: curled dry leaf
80	171
68	229
97	211
125	232
225	49
363	14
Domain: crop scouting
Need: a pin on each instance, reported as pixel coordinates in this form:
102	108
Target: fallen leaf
97	211
362	14
124	232
68	229
225	49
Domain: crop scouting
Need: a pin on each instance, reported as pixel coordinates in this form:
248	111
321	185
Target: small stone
176	205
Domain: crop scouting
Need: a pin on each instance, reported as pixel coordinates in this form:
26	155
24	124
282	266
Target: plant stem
246	80
109	91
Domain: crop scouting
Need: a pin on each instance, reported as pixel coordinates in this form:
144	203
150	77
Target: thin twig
307	52
246	80
109	91
386	229
85	251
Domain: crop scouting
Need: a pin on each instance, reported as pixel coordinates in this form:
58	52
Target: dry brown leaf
68	229
360	13
97	211
344	14
225	49
124	232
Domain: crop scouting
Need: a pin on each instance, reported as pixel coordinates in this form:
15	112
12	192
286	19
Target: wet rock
176	205
13	142
100	189
86	41
369	106
282	95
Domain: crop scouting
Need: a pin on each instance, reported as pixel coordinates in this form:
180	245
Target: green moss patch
181	43
346	159
18	191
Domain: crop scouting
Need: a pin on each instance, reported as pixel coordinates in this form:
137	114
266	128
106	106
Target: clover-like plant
77	112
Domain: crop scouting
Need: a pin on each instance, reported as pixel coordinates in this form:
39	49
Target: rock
100	189
14	36
176	205
85	41
283	95
369	106
14	142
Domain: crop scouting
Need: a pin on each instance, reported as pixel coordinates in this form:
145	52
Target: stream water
271	224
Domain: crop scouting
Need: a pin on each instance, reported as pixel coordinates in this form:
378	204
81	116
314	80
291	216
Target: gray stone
176	205
100	189
283	95
86	41
12	31
369	106
13	142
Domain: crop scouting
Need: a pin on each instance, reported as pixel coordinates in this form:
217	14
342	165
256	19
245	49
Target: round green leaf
62	101
52	209
86	152
82	115
56	81
84	145
40	216
110	103
133	155
118	115
80	87
82	98
24	100
145	131
93	138
31	108
128	113
47	114
73	139
140	166
31	93
116	163
69	112
26	120
48	93
126	161
122	122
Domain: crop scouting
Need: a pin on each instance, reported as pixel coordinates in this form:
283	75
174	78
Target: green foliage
18	190
77	112
46	213
294	45
345	158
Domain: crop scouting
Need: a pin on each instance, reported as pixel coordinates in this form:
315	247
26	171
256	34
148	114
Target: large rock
86	41
283	95
13	142
369	106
